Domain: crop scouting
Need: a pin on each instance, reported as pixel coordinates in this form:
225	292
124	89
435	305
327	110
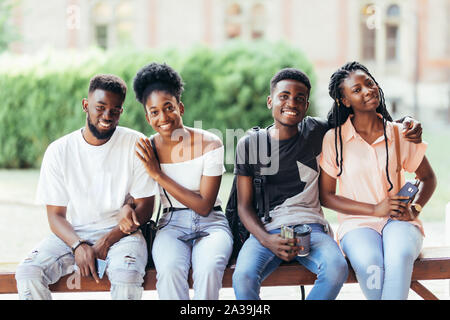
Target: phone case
408	190
194	235
101	267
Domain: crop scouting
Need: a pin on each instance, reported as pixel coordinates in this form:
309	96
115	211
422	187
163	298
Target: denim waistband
165	210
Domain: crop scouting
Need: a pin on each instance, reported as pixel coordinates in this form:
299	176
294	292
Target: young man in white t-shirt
85	177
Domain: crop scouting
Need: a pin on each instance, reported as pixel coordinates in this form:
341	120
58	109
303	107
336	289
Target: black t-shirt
293	188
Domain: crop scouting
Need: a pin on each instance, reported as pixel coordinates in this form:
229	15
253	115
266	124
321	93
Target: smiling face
288	102
163	112
360	92
103	109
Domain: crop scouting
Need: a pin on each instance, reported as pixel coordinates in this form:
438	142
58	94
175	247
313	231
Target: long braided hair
339	113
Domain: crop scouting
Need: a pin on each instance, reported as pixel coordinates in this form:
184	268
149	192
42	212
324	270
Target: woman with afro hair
187	163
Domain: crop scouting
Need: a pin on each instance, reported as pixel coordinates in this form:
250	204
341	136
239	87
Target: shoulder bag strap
263	135
152	142
397	153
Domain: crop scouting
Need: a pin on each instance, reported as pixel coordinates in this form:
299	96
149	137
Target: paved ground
23	224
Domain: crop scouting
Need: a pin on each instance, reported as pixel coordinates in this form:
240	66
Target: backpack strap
259	180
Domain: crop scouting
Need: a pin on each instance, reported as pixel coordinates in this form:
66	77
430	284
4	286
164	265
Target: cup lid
302	229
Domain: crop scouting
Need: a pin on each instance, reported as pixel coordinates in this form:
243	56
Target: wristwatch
77	244
417	208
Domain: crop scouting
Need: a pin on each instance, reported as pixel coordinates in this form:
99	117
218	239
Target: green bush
226	87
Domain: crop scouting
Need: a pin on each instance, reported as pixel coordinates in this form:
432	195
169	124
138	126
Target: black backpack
261	198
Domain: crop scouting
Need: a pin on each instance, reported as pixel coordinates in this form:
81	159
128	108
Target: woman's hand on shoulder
146	154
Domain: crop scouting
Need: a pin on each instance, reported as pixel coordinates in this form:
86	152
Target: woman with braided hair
379	232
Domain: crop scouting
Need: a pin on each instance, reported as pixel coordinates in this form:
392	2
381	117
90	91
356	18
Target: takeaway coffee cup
303	234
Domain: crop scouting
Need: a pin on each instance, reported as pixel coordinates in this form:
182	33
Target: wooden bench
432	264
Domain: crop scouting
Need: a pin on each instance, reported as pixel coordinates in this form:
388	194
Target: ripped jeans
53	259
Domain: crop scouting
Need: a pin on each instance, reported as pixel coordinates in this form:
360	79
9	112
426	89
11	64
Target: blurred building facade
404	43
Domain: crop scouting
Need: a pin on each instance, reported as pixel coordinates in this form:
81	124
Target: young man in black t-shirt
293	196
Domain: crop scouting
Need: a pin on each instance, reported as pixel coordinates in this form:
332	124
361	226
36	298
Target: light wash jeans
208	256
383	263
53	259
255	263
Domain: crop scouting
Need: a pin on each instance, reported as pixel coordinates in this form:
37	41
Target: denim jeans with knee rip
53	259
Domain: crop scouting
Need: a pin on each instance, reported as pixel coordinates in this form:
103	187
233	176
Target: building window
112	22
101	35
393	11
245	19
369	23
257	21
233	24
392	30
124	23
101	17
380	32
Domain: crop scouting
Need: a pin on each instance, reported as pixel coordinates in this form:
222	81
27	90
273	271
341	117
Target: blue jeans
383	263
207	256
255	263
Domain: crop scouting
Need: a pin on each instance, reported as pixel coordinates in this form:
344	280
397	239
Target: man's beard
99	135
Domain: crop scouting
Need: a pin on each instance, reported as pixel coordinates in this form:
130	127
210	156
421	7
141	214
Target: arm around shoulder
426	175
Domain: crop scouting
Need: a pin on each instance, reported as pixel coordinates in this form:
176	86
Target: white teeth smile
165	126
290	113
105	125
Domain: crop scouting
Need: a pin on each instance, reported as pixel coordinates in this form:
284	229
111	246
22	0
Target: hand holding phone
408	190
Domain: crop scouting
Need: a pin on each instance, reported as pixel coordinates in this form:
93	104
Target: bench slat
422	291
432	264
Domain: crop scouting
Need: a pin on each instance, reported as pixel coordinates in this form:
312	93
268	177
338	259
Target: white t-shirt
189	173
93	181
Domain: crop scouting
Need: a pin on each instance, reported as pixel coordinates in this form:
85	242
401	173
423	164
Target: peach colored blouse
363	176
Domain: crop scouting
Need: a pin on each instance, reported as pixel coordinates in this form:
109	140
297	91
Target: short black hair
159	77
108	82
289	74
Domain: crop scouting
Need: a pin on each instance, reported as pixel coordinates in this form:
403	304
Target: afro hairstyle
157	77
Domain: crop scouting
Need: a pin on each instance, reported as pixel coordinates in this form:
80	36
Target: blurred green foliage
225	88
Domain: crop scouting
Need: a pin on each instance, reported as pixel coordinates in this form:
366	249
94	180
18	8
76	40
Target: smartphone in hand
408	190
